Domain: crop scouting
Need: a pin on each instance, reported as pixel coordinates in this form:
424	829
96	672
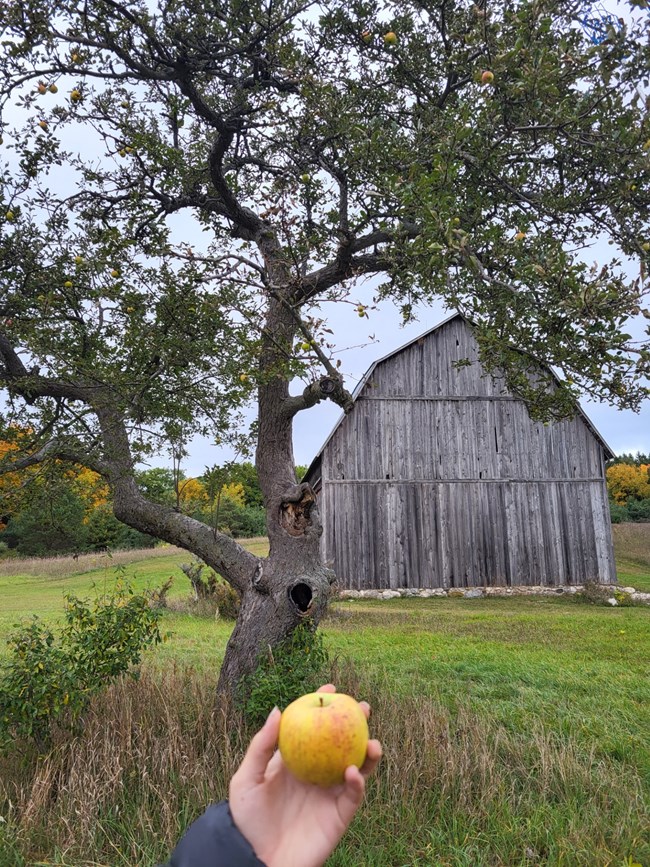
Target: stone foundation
480	592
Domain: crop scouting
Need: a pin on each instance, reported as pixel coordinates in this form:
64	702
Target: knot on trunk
295	510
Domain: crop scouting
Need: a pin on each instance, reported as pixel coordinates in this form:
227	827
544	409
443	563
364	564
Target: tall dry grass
632	542
155	752
65	565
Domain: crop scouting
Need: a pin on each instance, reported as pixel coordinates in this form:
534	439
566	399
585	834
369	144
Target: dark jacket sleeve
214	841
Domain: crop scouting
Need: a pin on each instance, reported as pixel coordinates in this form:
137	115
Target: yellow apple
68	284
243	377
322	734
115	273
43	124
78	260
390	38
366	36
9	216
75	95
646	246
53	88
305	346
520	236
487	77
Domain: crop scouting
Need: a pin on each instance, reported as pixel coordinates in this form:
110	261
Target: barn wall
455	534
438	478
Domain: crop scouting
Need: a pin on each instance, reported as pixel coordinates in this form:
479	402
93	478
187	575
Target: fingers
373	755
365	707
351	796
328	687
261	750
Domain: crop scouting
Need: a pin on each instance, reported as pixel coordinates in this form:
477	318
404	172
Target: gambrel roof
312	471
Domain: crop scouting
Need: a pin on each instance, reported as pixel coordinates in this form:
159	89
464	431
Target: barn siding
439	478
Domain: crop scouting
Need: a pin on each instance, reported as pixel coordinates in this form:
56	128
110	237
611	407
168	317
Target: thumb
260	751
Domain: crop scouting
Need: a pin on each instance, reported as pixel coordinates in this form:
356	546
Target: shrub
292	668
227	599
639	510
211	588
618	514
50	679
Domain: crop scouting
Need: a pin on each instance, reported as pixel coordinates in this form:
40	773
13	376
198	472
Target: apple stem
321	700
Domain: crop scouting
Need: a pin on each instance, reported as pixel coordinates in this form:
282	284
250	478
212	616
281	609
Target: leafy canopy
304	151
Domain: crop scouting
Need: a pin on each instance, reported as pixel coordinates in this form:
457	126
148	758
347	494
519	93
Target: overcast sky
623	431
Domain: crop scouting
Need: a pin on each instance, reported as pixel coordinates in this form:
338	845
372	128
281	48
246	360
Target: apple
124	104
305	178
10	216
78	260
42	88
305	346
43	124
487	77
53	88
366	36
390	38
68	284
322	734
520	236
646	246
243	377
75	95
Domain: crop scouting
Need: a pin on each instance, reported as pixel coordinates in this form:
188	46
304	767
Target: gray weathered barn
439	478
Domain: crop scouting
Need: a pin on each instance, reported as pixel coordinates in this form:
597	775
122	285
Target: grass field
516	732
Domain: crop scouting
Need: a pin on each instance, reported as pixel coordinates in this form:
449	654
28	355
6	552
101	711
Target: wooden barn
439	478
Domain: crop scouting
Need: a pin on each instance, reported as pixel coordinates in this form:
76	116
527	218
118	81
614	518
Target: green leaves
50	679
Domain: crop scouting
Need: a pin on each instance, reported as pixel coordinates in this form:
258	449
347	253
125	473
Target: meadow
516	730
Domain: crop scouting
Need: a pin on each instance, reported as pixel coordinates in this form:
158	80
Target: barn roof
609	452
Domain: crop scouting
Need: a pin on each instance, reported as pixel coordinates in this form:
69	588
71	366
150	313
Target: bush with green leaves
617	513
294	667
49	679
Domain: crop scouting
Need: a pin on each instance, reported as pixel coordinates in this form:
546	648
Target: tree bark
292	584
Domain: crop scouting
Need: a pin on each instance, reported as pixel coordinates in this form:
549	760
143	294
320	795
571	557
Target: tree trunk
292	584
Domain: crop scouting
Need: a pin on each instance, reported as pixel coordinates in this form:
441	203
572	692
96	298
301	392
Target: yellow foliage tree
88	485
235	492
192	495
628	482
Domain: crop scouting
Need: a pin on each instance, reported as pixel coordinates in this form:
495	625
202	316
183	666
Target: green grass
516	731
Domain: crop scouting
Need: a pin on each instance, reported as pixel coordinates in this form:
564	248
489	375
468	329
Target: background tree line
56	509
628	485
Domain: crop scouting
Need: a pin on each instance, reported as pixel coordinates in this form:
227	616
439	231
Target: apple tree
184	183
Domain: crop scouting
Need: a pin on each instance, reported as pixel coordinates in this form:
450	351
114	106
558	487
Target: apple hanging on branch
322	734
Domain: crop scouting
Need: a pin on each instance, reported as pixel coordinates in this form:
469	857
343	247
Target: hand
289	823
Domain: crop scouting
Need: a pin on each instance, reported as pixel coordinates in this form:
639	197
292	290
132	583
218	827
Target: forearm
214	840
